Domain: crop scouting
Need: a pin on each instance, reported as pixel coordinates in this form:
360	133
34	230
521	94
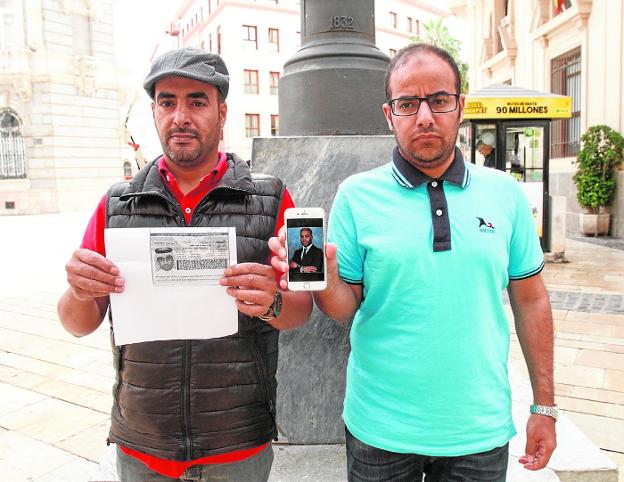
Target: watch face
277	304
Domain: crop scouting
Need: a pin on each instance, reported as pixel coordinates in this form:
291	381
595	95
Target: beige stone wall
69	106
531	40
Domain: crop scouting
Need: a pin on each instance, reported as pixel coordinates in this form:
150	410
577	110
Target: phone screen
306	250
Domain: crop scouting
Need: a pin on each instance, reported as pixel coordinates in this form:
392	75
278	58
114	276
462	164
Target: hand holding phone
305	248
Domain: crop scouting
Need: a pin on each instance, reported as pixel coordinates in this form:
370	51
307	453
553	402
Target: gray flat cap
198	64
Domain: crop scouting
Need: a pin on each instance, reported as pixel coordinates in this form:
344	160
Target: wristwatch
275	309
552	412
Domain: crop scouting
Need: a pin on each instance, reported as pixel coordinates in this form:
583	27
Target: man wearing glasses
422	248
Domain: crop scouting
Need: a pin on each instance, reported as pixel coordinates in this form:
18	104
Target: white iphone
305	249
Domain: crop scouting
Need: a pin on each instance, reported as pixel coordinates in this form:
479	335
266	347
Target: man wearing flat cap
192	409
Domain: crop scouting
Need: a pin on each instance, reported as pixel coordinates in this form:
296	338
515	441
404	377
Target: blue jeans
253	469
370	464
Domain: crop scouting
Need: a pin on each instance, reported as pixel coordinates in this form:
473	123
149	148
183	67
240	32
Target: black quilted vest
185	399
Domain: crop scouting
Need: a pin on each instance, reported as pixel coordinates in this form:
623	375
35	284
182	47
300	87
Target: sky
140	25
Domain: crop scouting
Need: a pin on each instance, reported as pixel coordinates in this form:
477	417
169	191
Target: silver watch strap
549	411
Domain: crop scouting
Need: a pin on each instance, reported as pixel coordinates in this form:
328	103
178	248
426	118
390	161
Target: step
576	459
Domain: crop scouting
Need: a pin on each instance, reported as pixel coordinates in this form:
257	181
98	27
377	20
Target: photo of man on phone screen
308	258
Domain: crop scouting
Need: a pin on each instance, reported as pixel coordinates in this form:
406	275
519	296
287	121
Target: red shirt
93	239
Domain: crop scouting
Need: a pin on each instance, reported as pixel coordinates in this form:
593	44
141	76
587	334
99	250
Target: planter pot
594	224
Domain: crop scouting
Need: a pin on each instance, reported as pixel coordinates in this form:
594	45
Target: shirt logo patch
486	226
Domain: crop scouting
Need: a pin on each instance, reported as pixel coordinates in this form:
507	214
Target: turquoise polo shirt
427	372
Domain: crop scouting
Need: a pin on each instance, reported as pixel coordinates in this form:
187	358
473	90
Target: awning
502	101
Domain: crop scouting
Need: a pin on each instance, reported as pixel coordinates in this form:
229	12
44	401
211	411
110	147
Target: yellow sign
518	108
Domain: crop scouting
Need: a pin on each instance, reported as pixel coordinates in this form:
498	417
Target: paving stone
77	395
581	405
89	443
16	398
581	376
600	359
614	380
607	433
606	241
17	453
73	471
47	420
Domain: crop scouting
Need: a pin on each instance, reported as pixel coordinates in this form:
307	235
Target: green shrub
601	154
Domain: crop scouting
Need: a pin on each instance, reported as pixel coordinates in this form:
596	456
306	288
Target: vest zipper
186	400
120	364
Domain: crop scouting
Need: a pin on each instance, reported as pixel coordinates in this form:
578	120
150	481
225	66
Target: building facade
256	38
569	47
59	105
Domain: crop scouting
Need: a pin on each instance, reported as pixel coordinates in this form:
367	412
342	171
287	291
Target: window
410	24
219	39
392	52
274	125
210	42
393	19
498	14
12	151
250	37
81	34
274	82
274	40
566	80
8	33
252	125
251	82
417	28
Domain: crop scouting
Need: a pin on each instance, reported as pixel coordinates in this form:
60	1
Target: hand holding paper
172	289
90	275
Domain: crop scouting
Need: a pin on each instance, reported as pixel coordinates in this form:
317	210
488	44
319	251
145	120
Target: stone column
330	100
334	84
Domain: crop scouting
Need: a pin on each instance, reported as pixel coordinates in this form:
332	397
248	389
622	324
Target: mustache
180	130
426	130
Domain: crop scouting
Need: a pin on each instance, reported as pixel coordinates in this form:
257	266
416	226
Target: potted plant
601	153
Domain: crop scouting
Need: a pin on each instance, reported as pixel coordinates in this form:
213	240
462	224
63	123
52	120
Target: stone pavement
56	389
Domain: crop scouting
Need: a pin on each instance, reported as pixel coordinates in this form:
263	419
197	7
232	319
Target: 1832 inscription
341	22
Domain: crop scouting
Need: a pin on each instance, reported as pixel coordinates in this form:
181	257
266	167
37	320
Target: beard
192	155
427	157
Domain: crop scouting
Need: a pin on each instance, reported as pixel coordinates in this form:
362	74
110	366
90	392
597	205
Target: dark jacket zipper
185	400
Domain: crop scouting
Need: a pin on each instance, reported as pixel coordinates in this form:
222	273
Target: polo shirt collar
407	175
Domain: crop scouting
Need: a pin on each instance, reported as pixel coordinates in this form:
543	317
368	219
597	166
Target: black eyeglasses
438	103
